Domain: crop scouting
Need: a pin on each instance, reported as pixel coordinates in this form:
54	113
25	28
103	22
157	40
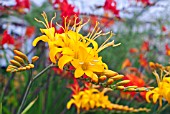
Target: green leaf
1	108
29	106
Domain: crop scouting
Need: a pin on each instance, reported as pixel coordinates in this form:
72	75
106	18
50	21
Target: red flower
145	46
167	48
164	29
142	60
134	81
22	6
133	50
126	63
30	30
145	2
111	6
7	38
74	87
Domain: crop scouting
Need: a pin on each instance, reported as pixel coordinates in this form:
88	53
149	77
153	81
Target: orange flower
133	50
134	81
30	30
145	46
167	48
142	60
126	63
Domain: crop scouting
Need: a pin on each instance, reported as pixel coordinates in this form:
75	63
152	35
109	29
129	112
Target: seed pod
102	78
123	82
35	58
110	73
20	54
31	65
19	59
117	77
110	81
15	63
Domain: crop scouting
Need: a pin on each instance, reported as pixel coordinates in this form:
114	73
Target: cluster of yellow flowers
163	80
93	98
72	48
20	62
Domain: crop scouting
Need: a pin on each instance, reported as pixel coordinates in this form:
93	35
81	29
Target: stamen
91	64
79	27
41	22
60	26
52	19
96	60
45	18
157	77
111	34
93	29
81	63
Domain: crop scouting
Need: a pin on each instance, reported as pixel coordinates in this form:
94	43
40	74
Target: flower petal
155	97
63	60
44	38
78	72
70	103
53	53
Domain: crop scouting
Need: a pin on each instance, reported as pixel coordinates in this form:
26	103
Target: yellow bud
141	89
19	59
20	54
11	66
102	78
15	63
131	89
31	65
117	77
123	82
35	58
110	81
28	67
110	73
20	69
120	87
8	69
94	78
24	68
152	65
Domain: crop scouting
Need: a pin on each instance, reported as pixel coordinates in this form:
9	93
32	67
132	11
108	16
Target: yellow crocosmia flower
92	98
162	91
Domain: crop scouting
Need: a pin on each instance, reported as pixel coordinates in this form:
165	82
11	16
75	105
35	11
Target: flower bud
117	77
110	81
15	63
110	73
123	82
19	59
102	78
20	54
35	58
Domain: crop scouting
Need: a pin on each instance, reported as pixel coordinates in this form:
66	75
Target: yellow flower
162	91
93	98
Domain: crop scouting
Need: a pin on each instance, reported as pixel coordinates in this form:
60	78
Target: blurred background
141	26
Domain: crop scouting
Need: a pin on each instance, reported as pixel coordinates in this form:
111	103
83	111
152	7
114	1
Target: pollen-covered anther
123	82
34	59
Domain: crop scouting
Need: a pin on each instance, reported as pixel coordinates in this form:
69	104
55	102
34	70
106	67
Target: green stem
29	86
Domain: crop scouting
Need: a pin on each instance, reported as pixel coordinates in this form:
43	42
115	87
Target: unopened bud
94	78
110	73
123	82
102	78
117	77
20	54
15	63
110	81
19	59
31	65
120	87
28	67
35	58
